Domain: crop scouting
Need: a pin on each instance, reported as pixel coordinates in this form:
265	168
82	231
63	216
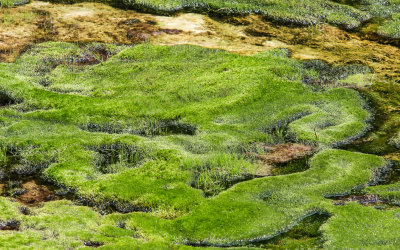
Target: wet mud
94	244
23	184
29	192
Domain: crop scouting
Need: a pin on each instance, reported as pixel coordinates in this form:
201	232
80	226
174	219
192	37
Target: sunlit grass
158	128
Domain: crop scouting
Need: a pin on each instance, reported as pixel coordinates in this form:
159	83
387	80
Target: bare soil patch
36	193
284	153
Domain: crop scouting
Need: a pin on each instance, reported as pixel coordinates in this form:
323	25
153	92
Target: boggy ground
89	22
73	117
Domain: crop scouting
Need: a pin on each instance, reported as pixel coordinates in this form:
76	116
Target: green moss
386	14
391	28
141	128
248	213
261	208
60	224
225	101
362	227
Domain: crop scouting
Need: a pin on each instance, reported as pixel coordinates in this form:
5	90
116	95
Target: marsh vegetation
183	124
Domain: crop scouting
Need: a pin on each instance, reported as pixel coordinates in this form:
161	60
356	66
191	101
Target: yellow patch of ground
193	23
89	22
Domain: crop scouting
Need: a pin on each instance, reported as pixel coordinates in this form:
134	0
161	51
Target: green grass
360	227
157	128
230	100
257	209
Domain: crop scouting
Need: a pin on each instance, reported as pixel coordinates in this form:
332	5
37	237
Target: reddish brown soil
36	194
284	153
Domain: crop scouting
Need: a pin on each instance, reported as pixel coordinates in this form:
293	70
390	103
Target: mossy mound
386	14
248	214
391	28
163	105
149	130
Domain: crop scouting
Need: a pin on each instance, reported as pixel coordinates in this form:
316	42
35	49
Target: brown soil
279	155
35	194
89	22
284	153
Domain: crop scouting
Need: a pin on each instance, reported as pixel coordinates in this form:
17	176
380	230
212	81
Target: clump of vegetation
391	28
331	74
386	14
262	208
218	172
213	91
115	157
248	214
